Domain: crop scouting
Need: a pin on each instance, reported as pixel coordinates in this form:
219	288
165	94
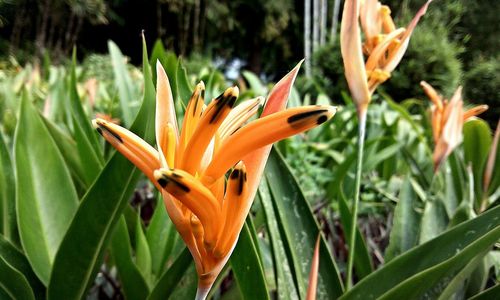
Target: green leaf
254	83
362	260
247	267
142	253
488	294
14	258
300	229
184	89
45	196
385	153
13	283
92	165
477	142
81	251
80	119
8	226
171	278
285	285
158	53
406	223
67	147
133	283
434	220
456	288
123	83
420	269
161	235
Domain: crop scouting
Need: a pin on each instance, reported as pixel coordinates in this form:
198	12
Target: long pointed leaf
285	285
13	283
133	283
247	267
45	196
169	280
81	251
8	226
301	229
13	257
469	237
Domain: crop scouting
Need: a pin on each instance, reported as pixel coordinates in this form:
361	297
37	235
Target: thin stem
357	185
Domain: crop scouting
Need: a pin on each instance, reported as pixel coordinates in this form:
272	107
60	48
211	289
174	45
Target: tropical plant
78	220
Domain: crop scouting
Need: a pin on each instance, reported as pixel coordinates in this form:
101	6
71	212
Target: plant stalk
357	185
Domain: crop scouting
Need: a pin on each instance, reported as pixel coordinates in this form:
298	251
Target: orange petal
370	18
262	132
379	51
475	111
433	95
398	53
192	116
278	96
140	153
233	210
313	274
239	115
256	160
195	196
387	22
212	118
351	48
165	111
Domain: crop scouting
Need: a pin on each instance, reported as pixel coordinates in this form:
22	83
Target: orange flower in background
190	167
447	118
384	46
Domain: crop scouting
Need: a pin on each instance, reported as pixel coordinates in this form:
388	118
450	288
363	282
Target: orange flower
189	168
447	118
384	46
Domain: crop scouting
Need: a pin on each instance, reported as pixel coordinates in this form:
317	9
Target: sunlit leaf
8	226
300	229
430	262
81	252
45	196
247	267
133	283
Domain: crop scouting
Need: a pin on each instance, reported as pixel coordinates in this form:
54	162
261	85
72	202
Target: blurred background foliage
265	37
251	44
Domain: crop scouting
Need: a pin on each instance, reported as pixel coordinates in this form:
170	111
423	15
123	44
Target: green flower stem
354	210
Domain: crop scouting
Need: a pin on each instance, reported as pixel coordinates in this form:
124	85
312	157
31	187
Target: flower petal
351	48
195	196
212	118
262	132
397	55
165	111
370	18
278	96
140	153
191	117
233	212
475	111
239	115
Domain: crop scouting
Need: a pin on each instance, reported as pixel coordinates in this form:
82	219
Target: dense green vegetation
78	220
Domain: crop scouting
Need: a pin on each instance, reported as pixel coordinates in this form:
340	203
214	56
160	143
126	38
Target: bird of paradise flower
208	208
447	120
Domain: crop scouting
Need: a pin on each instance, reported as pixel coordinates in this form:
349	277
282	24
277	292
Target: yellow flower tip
379	75
95	123
385	10
231	93
200	86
